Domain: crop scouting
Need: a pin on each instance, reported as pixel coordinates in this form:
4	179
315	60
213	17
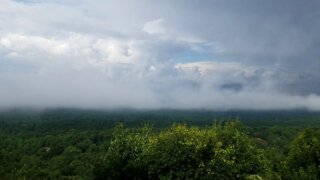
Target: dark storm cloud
281	35
232	86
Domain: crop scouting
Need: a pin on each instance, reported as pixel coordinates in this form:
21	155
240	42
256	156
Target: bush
182	152
303	161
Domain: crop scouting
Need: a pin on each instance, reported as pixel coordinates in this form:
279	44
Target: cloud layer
161	54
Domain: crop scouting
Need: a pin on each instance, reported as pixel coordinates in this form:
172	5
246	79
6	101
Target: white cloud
27	44
154	27
121	54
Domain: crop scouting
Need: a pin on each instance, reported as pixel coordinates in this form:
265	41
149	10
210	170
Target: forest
159	144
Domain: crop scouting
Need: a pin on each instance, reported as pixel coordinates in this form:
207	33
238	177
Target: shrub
182	152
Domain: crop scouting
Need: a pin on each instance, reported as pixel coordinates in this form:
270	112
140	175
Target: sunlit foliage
182	152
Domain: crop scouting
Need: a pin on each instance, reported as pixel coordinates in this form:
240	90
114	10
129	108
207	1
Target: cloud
154	27
114	54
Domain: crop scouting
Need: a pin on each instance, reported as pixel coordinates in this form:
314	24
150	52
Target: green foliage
125	151
181	152
62	156
76	144
303	161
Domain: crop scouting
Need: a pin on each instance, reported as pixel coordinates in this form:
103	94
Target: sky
147	54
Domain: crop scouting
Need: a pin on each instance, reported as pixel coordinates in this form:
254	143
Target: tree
304	156
182	152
